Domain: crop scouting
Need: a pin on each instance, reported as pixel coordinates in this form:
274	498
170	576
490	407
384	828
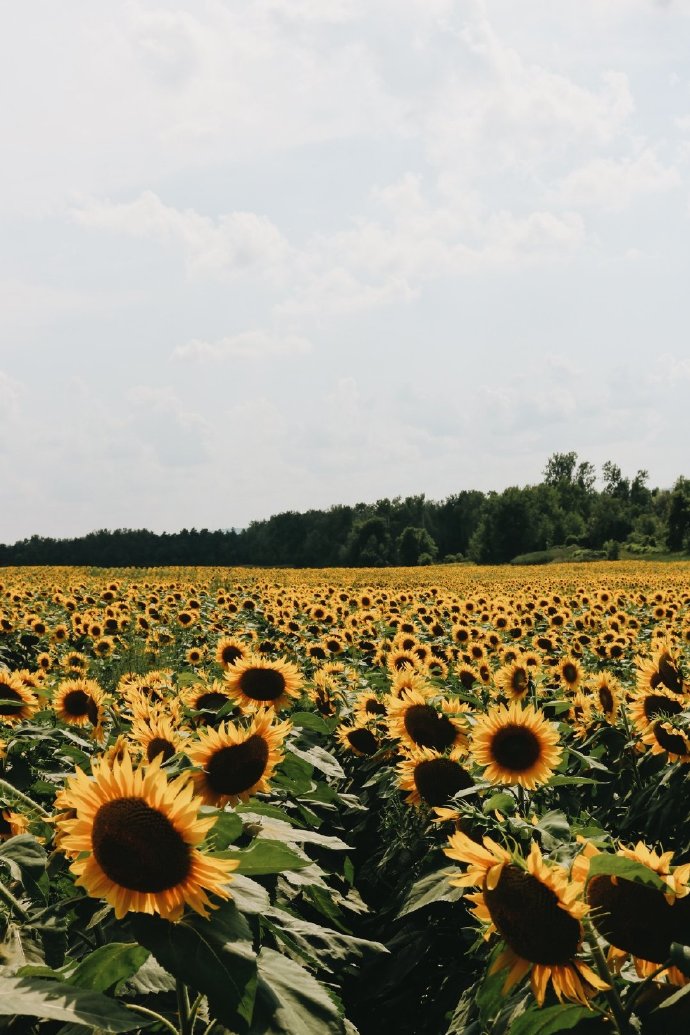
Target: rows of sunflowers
441	800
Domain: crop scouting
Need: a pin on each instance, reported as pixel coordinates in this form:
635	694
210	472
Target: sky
283	254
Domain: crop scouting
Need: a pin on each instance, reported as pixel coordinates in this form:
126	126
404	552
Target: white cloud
613	184
247	345
235	242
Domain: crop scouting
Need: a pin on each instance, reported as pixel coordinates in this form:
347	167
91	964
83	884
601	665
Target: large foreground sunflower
236	762
517	745
431	777
536	910
134	839
256	682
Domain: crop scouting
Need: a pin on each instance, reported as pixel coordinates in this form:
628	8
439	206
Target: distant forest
565	516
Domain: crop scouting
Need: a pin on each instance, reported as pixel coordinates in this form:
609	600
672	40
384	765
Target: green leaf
609	865
434	887
23	856
225	830
248	896
290	1000
214	957
566	781
57	1001
555	825
264	857
332	949
503	802
551	1020
320	759
150	979
310	721
270	829
106	966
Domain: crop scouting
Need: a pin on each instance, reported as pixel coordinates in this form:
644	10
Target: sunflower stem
152	1013
620	1021
7	788
183	1008
16	907
194	1010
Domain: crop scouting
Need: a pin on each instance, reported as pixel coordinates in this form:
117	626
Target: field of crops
448	799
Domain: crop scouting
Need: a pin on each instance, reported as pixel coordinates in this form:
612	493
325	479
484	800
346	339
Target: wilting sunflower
134	841
638	919
536	910
359	739
606	691
256	682
78	702
417	723
229	650
236	762
431	777
17	702
517	745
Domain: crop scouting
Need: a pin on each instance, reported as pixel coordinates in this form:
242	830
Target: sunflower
134	838
663	738
358	739
513	680
431	777
256	682
517	745
236	762
535	910
607	692
229	650
156	736
368	706
78	702
570	671
417	723
661	670
17	702
410	680
647	706
639	919
195	655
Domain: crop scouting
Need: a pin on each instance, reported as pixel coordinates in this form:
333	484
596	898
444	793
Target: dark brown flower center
519	681
76	703
429	729
237	767
230	654
374	707
656	704
262	684
674	743
363	740
606	700
527	915
632	916
438	779
669	674
159	746
8	695
138	848
211	701
515	747
569	672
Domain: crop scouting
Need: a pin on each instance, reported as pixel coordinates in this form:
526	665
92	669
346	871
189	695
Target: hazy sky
271	255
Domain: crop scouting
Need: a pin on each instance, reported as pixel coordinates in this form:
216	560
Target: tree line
564	515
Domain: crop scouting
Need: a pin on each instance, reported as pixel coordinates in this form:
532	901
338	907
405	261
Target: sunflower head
133	839
256	682
517	745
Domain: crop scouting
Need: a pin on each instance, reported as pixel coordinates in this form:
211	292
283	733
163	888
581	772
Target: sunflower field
273	802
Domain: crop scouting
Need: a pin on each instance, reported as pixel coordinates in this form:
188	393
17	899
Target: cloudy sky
260	255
